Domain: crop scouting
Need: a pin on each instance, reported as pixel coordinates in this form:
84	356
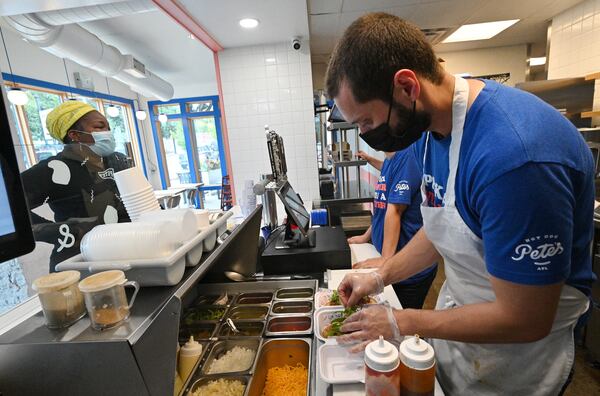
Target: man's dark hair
372	50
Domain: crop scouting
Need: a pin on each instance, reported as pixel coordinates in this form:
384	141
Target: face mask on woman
104	142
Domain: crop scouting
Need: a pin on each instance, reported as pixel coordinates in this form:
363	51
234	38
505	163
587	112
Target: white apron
537	368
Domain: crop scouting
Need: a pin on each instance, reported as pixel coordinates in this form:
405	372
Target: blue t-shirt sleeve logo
402	187
539	250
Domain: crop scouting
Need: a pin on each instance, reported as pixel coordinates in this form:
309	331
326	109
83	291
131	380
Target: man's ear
407	86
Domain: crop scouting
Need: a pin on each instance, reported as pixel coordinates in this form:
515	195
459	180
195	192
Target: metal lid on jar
102	281
55	281
416	353
381	355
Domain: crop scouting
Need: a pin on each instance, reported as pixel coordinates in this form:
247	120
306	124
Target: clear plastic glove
356	286
370	263
367	325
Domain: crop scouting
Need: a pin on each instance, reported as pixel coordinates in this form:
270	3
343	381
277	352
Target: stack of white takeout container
136	192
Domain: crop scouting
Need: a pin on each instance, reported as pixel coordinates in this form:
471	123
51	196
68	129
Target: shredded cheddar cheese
286	381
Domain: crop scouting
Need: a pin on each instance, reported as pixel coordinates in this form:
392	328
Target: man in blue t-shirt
508	204
396	218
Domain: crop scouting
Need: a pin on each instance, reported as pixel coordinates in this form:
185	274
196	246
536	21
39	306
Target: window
191	146
80	208
167	109
38	145
199	107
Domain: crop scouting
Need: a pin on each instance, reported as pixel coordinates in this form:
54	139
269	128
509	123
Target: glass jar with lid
105	298
62	302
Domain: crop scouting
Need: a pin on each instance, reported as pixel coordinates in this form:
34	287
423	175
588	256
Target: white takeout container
322	296
163	271
323	316
337	365
131	181
184	219
126	241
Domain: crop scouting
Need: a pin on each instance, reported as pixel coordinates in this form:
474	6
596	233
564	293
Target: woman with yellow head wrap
77	183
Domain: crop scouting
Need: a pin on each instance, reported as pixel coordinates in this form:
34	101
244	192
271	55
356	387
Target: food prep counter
139	357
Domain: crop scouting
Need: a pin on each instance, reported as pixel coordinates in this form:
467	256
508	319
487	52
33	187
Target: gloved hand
367	325
356	286
370	263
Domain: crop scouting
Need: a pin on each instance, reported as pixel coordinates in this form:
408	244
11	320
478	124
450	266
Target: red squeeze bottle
382	374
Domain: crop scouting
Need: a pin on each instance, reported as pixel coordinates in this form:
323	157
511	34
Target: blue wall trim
83	92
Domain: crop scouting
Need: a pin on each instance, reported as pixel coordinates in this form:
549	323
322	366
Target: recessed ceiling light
538	61
479	31
270	60
248	23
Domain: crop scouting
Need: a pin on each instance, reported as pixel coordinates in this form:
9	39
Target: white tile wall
270	85
575	45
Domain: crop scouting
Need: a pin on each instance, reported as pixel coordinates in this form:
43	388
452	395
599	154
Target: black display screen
293	203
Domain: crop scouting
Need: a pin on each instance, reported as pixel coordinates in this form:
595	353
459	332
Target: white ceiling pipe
76	43
96	12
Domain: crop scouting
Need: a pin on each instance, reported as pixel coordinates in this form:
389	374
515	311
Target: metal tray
200	331
204	380
242	312
278	352
225	332
283	325
295	293
188	321
209	299
280	308
254	298
219	348
251	287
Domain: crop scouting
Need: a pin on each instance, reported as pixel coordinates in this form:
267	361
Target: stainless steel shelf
334	126
346	164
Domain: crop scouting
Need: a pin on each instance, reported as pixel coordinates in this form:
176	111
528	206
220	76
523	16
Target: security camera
296	44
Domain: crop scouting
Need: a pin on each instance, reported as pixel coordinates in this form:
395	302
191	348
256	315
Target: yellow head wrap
62	118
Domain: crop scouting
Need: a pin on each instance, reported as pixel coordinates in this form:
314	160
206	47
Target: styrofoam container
184	218
143	193
130	181
322	296
140	198
125	241
202	218
211	240
323	317
337	365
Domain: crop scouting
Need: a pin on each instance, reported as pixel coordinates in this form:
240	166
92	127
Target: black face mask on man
410	127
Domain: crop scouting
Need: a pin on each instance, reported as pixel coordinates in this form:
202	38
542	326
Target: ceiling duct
58	33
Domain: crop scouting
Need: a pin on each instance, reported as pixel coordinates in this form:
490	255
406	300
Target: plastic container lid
102	281
55	281
381	355
191	348
416	353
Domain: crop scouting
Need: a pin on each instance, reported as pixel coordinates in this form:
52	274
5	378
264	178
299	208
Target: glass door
191	144
208	157
174	148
